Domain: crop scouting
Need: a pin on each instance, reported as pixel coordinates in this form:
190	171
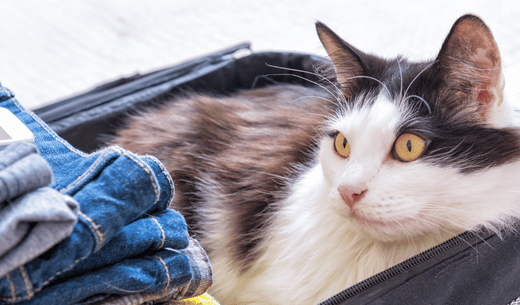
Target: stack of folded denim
101	233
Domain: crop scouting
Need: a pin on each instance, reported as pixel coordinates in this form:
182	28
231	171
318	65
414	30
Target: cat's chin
387	231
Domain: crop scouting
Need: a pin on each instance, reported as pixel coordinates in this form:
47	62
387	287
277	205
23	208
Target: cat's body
290	212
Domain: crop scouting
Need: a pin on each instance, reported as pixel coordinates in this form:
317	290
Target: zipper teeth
397	269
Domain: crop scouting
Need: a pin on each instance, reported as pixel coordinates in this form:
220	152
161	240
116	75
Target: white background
54	49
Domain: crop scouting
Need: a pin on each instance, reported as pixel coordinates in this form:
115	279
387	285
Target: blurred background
55	49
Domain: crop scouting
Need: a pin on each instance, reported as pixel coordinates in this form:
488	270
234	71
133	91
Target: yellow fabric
204	299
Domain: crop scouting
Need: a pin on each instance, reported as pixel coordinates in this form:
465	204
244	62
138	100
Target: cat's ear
346	59
470	64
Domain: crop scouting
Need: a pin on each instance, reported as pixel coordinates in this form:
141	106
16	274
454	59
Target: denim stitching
163	236
167	272
91	169
50	279
152	180
10	96
49	131
30	293
13	289
94	226
143	166
60	272
168	177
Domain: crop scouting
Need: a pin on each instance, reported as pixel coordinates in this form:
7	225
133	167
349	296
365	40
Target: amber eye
409	147
341	145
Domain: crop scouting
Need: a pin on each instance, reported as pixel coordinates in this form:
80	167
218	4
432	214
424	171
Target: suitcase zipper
461	240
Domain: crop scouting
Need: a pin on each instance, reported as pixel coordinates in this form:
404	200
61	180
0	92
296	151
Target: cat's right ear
346	59
471	66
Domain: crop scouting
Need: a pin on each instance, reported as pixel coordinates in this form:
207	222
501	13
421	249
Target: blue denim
126	241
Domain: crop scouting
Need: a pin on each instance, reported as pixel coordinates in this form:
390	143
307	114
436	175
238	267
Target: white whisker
455	235
311	73
400	75
413	80
310	81
372	78
453	223
426	103
317	97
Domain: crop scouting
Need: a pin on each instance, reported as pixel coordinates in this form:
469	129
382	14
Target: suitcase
470	268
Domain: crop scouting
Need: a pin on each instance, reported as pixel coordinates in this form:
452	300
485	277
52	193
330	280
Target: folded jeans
117	192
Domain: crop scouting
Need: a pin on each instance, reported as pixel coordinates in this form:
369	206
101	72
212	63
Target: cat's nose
351	194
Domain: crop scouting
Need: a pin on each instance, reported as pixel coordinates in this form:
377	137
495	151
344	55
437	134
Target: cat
297	193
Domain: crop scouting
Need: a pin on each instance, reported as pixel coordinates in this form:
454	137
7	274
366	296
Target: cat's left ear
471	66
347	60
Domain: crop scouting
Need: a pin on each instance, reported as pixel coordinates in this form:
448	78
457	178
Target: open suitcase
467	269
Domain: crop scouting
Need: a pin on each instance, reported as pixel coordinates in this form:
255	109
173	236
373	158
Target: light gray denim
33	218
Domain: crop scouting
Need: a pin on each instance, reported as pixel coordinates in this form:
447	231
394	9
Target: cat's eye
341	145
409	147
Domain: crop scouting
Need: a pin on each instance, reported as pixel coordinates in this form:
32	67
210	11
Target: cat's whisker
316	97
512	191
453	223
455	235
417	76
408	234
282	178
372	78
311	73
306	79
450	152
446	196
314	114
400	75
423	100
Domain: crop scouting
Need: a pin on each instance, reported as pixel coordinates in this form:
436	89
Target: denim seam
49	131
100	239
30	293
13	289
163	235
168	177
44	283
85	175
9	95
60	272
144	167
167	272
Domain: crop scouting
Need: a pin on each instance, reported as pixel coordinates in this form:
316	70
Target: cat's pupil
409	145
344	143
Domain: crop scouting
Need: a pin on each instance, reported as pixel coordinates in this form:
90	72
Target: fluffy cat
299	192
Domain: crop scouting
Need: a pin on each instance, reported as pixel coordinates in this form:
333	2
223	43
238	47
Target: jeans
126	243
33	218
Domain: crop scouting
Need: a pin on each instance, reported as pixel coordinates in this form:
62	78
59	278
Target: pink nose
351	194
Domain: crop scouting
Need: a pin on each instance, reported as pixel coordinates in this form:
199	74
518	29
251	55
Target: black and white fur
259	181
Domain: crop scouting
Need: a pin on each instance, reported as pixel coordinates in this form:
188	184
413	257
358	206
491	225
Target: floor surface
54	49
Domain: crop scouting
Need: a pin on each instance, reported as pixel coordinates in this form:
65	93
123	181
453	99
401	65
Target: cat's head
422	147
